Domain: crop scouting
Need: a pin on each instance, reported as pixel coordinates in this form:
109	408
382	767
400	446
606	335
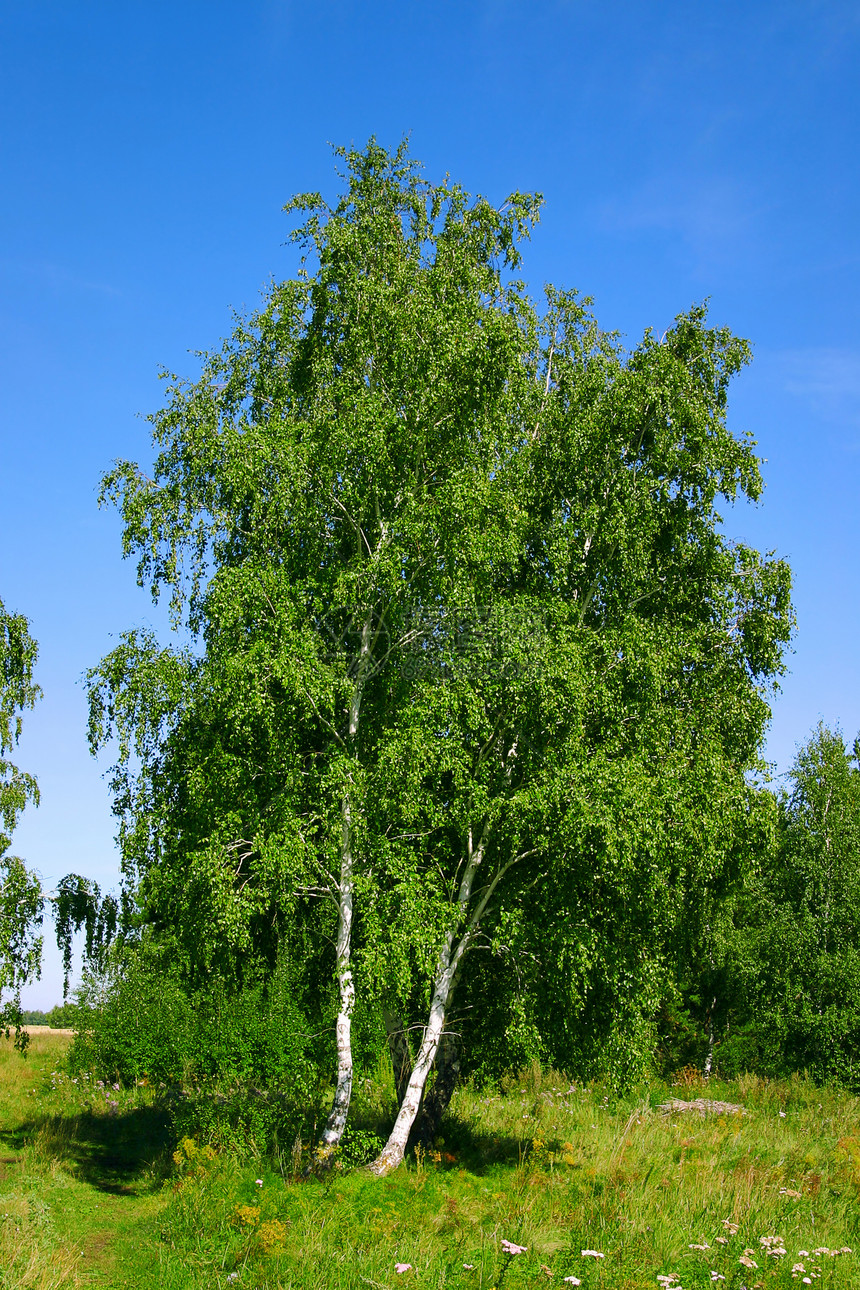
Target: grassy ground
91	1194
80	1187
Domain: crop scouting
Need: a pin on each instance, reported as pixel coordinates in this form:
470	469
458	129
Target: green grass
97	1197
80	1186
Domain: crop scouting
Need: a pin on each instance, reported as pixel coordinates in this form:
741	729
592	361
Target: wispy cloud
715	218
827	379
54	276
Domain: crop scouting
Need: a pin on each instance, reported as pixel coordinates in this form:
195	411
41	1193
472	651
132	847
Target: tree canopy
471	663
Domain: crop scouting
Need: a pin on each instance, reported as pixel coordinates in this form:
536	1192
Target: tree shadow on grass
119	1154
464	1147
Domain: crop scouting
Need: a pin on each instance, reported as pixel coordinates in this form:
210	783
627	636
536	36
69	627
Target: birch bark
395	1148
436	1102
447	968
336	1122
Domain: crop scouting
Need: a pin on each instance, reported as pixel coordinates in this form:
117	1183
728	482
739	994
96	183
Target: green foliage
797	950
138	1021
473	659
20	890
240	1119
134	1022
358	1147
60	1017
78	903
18	691
63	1016
33	1017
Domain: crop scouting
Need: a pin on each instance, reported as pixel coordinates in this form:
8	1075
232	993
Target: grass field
93	1193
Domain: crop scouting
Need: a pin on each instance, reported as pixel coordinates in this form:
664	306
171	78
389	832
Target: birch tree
21	900
307	495
465	630
575	760
794	962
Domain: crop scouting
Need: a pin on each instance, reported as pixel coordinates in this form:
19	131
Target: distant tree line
62	1016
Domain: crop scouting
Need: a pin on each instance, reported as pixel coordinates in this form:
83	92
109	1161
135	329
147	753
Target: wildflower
114	1086
403	1267
510	1248
803	1254
717	1276
721	1240
731	1228
232	1276
782	1114
698	1247
807	1281
747	1261
591	1254
470	1267
259	1182
798	1267
572	1281
667	1279
846	1249
787	1191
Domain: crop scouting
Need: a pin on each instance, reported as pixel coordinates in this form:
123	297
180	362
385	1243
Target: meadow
538	1182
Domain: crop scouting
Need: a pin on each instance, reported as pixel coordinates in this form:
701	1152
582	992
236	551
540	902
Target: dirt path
80	1182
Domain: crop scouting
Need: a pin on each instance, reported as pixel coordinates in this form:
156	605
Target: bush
134	1022
137	1021
241	1119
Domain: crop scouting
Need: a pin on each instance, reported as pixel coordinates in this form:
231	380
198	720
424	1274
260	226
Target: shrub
138	1021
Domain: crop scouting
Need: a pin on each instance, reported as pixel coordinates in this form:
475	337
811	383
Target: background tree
20	890
796	951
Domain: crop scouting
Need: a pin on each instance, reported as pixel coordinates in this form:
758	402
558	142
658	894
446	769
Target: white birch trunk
395	1148
336	1123
709	1059
447	968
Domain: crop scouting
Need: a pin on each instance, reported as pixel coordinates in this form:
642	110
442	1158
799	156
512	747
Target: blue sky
685	151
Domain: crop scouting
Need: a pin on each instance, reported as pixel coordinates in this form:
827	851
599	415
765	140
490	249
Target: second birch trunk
447	969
